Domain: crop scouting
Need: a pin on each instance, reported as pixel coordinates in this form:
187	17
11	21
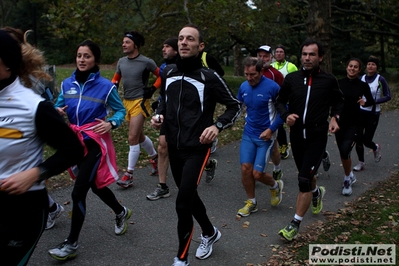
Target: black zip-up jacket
189	94
310	95
353	89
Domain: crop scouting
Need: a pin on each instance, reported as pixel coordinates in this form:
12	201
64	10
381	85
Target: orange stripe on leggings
187	245
203	166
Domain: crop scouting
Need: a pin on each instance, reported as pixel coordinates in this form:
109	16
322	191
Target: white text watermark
345	254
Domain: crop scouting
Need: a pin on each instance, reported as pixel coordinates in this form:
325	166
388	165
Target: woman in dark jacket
371	115
353	89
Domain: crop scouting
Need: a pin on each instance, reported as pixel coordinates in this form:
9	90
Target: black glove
154	105
148	92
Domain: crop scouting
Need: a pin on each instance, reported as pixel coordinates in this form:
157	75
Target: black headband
374	60
133	38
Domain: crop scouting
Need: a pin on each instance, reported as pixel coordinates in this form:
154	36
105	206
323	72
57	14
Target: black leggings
368	126
187	168
345	137
307	155
84	181
22	222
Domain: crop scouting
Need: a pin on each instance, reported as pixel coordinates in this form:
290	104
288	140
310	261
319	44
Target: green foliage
360	28
234	82
73	21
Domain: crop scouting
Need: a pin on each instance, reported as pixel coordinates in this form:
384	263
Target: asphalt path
151	238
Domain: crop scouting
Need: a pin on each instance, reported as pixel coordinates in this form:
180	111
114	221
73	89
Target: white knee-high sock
134	153
148	146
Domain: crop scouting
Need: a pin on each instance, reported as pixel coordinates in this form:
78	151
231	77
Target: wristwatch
113	124
219	126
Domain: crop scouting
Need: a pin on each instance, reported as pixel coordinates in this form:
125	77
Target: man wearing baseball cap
264	53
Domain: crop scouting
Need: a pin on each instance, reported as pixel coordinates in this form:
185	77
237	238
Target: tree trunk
238	68
382	51
319	28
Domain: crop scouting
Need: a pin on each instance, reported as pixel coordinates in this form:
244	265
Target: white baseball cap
265	48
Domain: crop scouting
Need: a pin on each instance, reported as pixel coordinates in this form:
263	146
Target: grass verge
371	218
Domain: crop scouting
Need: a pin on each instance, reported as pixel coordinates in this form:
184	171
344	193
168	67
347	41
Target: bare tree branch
138	5
164	15
367	30
297	25
186	10
170	14
366	14
5	13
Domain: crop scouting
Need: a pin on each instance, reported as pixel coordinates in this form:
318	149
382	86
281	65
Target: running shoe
290	232
205	248
178	262
210	170
347	188
359	167
53	215
317	202
277	175
277	193
353	179
214	147
377	153
126	180
154	165
121	221
326	162
64	251
158	193
248	208
284	151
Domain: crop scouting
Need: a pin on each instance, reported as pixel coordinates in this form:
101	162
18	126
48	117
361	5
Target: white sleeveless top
20	147
375	89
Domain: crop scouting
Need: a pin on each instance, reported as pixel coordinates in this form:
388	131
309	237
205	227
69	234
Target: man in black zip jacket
189	95
312	95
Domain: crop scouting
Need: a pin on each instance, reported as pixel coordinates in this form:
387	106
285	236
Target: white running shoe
178	262
53	215
64	251
347	189
205	248
377	153
359	167
121	221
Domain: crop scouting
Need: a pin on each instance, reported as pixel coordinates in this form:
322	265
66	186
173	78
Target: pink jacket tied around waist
107	171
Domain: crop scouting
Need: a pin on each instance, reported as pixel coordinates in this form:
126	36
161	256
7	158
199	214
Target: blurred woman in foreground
27	122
